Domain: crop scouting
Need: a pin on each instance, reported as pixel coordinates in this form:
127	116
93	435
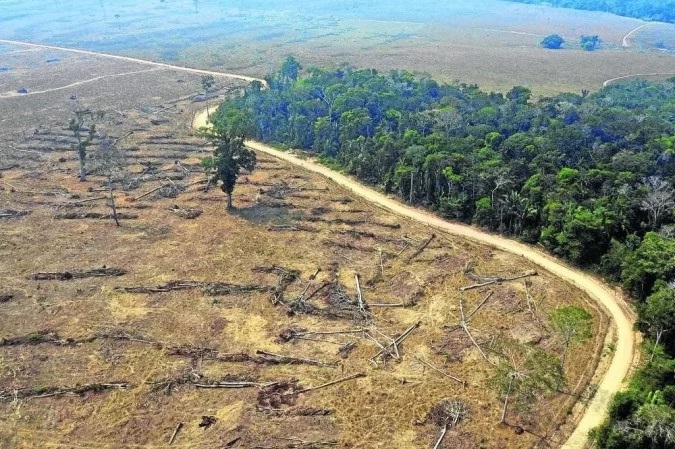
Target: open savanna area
304	317
494	44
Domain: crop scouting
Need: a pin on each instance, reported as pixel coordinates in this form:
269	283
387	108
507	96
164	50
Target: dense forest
660	11
588	176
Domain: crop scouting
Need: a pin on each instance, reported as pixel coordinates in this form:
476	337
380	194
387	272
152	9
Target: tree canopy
661	11
553	42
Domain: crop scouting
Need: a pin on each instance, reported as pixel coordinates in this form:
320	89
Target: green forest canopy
657	10
589	177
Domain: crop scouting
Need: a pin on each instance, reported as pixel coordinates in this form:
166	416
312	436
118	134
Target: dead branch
407	245
464	324
151	192
209	288
438	370
489	295
175	432
11	213
499	280
92	216
385	352
77	274
284	359
441	436
87	200
226	385
421	247
328	384
46	392
361	304
38	338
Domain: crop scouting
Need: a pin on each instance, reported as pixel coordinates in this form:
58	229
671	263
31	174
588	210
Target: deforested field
305	317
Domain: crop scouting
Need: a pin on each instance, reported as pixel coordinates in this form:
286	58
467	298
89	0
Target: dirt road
613	379
626	43
136	60
13	94
610	81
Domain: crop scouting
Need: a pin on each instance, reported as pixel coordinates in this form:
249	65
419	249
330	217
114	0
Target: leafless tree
109	162
659	201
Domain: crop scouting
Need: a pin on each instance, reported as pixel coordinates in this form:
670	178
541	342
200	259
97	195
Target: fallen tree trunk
46	392
269	357
421	247
77	274
209	288
499	280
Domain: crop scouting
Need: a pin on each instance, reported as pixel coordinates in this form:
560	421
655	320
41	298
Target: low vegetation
589	177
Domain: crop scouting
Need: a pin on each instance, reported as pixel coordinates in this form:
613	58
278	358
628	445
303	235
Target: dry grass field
492	43
109	359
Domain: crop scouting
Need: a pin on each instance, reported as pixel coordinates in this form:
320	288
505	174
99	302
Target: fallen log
46	392
209	288
499	280
175	432
386	351
12	213
419	250
269	357
438	370
329	384
93	216
77	274
234	385
37	338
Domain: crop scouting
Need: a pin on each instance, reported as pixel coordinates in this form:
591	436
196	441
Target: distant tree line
661	11
589	177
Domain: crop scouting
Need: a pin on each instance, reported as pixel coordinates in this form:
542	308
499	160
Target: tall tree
230	156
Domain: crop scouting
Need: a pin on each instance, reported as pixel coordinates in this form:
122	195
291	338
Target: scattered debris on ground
188	214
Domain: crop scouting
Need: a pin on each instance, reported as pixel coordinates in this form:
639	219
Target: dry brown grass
377	411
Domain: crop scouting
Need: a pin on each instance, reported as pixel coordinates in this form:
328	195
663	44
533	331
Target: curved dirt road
625	345
609	81
626	43
621	364
136	60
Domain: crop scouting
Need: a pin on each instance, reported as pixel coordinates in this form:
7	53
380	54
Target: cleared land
143	351
491	43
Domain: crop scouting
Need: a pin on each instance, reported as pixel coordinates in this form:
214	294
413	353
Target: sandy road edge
622	362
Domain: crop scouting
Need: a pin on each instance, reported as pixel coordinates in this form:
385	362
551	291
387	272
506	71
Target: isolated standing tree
229	157
573	325
83	127
109	162
589	43
553	42
207	83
